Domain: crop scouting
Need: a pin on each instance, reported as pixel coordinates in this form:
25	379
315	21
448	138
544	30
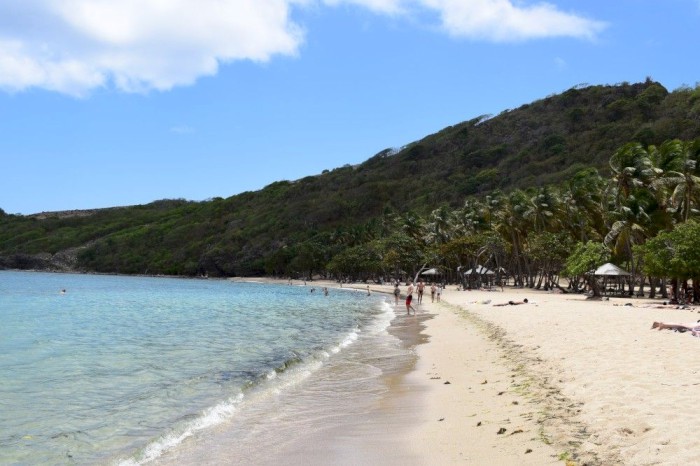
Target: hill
538	144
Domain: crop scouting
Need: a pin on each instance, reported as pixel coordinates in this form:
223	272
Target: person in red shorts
409	299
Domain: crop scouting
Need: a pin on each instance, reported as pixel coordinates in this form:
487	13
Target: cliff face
63	261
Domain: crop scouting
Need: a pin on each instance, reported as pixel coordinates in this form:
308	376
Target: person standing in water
397	293
409	299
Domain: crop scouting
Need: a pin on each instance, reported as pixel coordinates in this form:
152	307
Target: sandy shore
561	380
604	388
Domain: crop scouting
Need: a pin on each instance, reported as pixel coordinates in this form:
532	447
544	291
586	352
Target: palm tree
413	225
681	176
581	211
468	219
440	225
631	168
628	229
512	225
541	209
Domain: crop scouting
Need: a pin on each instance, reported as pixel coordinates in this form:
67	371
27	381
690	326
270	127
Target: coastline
560	380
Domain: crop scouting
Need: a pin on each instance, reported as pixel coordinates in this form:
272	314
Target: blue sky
121	102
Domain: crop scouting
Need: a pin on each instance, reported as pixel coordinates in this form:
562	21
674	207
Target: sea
122	370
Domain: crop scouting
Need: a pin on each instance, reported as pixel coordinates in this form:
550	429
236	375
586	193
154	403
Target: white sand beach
560	380
592	382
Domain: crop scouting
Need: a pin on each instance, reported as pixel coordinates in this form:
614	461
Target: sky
109	103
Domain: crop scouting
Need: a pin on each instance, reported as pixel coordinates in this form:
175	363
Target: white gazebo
482	275
480	270
611	272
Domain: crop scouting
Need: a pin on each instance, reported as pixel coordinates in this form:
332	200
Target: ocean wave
289	373
256	389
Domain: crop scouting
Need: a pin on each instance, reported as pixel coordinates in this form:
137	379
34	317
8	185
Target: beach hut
479	275
431	274
610	270
612	275
480	270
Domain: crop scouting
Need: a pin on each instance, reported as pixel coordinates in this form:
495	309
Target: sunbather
512	303
694	327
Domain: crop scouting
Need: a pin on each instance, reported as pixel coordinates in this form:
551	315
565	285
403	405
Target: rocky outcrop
63	261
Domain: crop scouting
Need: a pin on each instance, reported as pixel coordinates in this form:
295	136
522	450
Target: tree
512	225
440	225
628	228
541	209
548	252
400	253
583	262
582	212
361	261
681	176
631	167
675	254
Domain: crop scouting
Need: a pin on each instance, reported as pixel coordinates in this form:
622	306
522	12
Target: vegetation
556	185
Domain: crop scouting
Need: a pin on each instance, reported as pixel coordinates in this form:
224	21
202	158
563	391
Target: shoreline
565	380
448	407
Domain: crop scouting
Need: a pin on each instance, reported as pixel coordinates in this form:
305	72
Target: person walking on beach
421	287
433	289
397	293
438	292
409	299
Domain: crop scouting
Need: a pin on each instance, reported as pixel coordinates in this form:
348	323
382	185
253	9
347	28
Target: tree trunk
652	287
593	283
642	281
674	289
664	288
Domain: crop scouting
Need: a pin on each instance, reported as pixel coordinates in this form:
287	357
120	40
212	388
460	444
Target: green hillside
308	225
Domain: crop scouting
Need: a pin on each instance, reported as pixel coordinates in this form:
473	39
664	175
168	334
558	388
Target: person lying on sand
694	328
663	305
513	303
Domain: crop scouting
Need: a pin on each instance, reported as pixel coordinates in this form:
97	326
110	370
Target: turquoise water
124	370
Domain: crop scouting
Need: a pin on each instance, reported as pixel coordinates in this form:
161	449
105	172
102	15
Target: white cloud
73	46
492	20
508	21
377	6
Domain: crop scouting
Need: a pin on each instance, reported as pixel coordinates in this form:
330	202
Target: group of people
419	289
